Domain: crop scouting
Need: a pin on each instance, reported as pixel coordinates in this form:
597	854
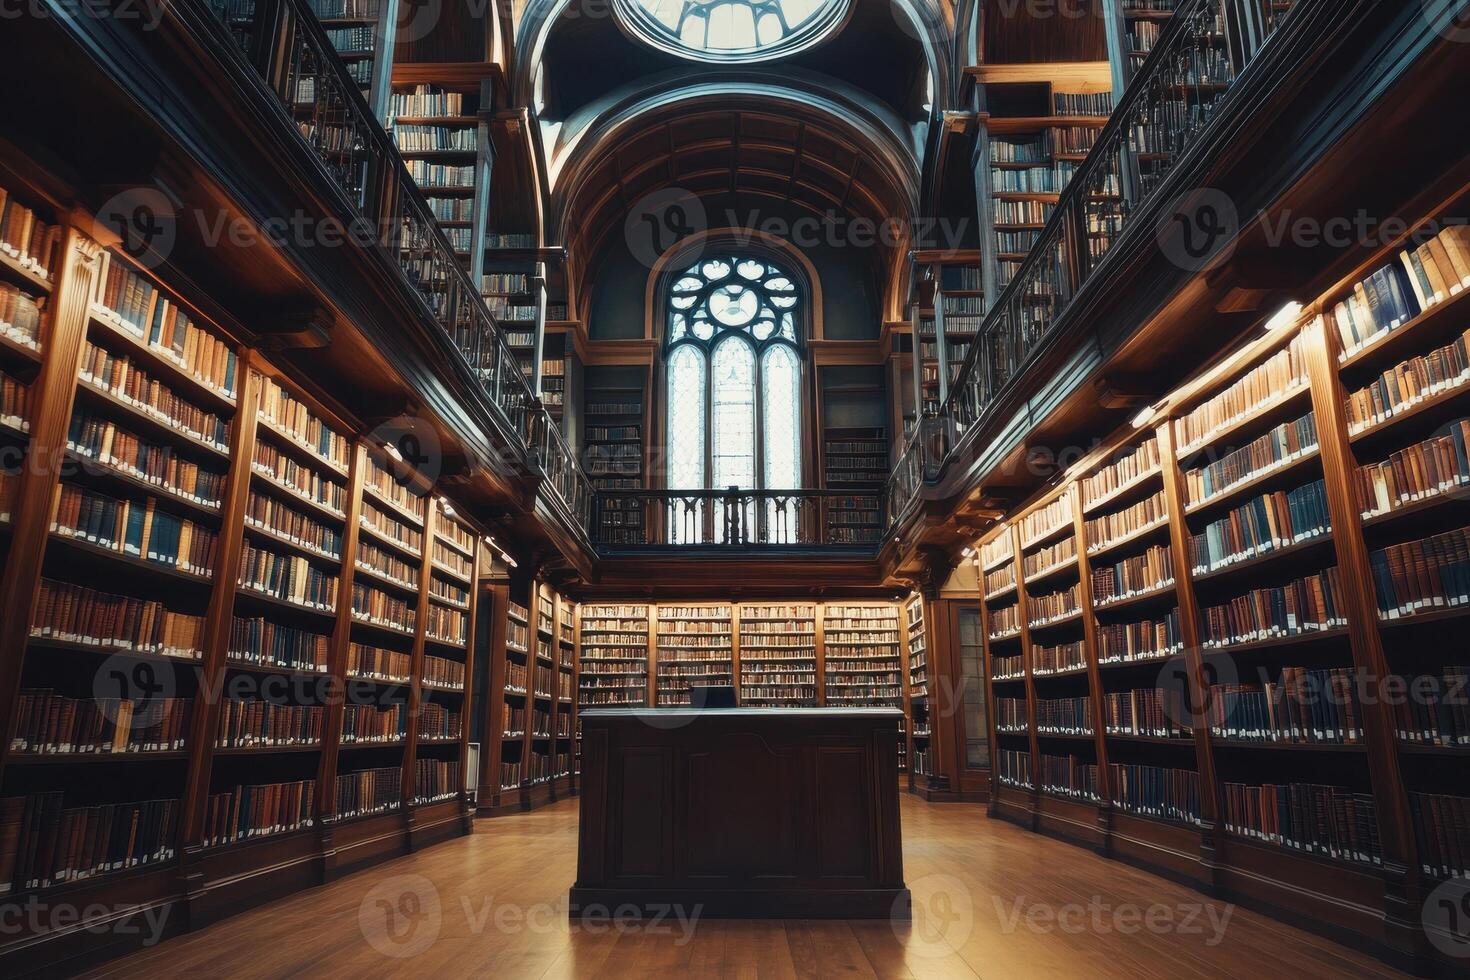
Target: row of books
1049	556
1312	603
124	380
280	519
426	100
1121	472
138	529
1075	104
437	721
287	413
376	663
448	592
388	487
1149	639
1000	580
1046	520
1140	574
247	812
436	779
1304	706
88	617
378	607
1439	464
1070	776
1154	712
995	551
1005	621
20	316
443	673
387	564
100	439
298	478
436	175
1013	768
248	723
287	577
1058	659
414	138
1287	441
1032	180
131	302
1018	151
1064	716
1442	825
1282	372
1430	573
374	723
1021	212
1309	817
1049	608
1154	791
1382	301
1409	383
379	521
1432	709
43	842
48	723
26	237
1262	525
367	792
260	641
1008	668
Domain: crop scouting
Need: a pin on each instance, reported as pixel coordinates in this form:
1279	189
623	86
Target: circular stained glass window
733	30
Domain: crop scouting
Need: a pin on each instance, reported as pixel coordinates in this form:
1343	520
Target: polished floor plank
986	900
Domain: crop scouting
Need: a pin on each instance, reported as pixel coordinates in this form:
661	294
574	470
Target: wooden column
1032	741
53	394
498	596
1196	679
204	723
1094	675
1402	884
416	670
946	694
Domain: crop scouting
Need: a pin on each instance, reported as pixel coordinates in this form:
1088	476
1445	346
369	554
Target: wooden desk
744	812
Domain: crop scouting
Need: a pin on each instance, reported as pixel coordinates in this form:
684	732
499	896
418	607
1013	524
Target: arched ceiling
838	128
774	154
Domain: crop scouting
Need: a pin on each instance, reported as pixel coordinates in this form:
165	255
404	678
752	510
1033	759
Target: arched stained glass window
733	377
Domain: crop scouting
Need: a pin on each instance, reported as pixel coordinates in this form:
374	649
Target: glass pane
781	378
972	680
686	440
734	415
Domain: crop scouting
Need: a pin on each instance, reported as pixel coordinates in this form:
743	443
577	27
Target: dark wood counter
741	812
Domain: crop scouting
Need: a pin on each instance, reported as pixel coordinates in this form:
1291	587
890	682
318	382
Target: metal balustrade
287	46
1165	110
732	518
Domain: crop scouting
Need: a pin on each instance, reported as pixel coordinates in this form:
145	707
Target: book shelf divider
53	393
1094	676
341	640
204	723
1398	842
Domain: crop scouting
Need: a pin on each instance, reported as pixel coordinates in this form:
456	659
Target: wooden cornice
1071	76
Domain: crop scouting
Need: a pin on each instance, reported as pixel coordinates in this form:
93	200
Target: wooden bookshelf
225	506
363	34
863	645
443	139
1034	135
613	655
920	701
1197	530
778	655
694	646
615	421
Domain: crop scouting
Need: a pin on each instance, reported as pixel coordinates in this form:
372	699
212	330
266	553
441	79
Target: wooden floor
990	900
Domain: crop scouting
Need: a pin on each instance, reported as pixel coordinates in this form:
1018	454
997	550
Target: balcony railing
1163	113
1165	110
288	47
728	518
